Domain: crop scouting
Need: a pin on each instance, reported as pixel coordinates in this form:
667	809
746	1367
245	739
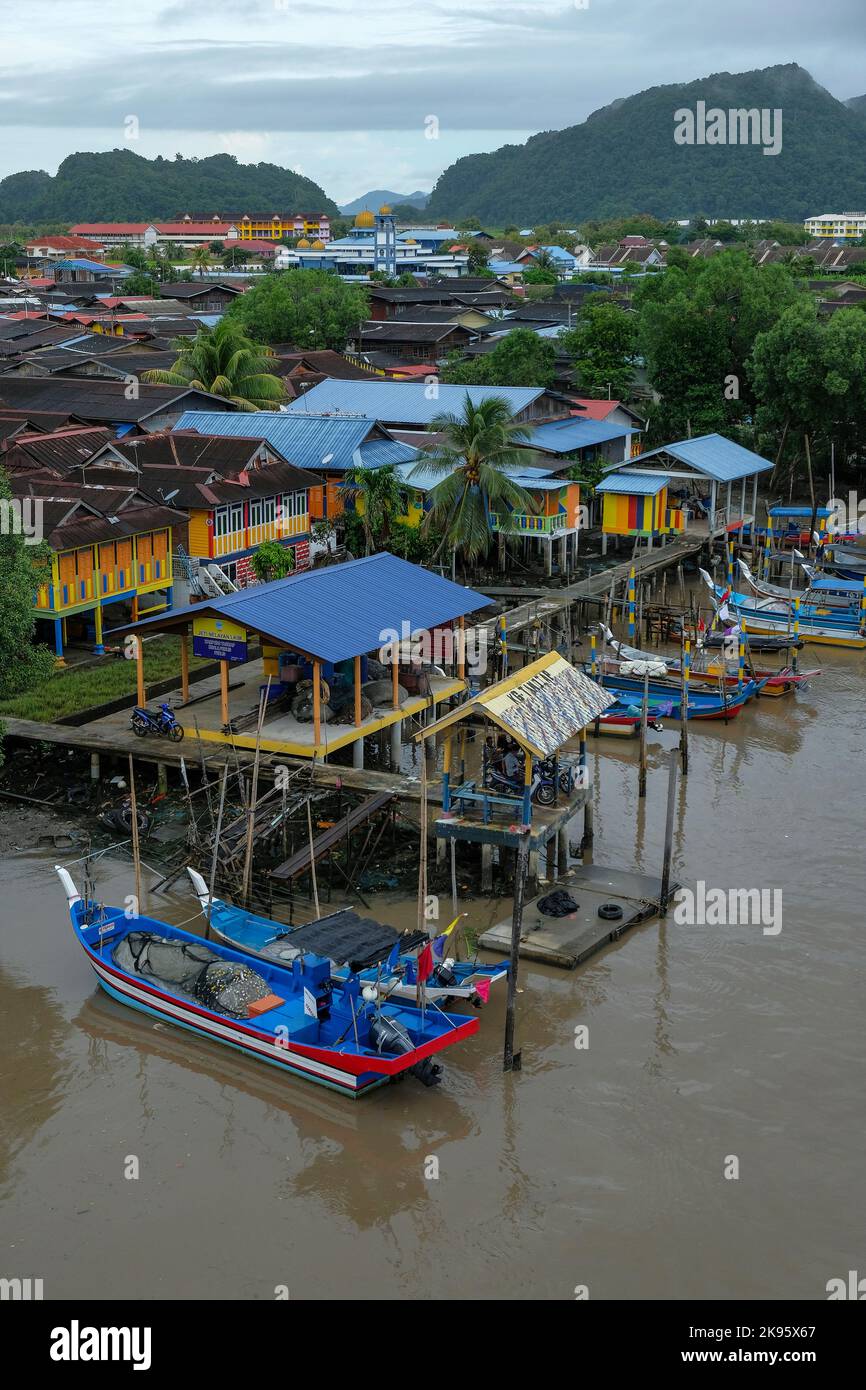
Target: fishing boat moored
338	1034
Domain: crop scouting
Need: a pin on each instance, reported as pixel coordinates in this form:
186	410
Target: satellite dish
329	458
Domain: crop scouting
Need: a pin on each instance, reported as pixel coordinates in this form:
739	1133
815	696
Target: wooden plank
333	836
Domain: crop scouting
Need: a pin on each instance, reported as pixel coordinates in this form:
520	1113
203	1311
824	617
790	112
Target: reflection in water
34	1070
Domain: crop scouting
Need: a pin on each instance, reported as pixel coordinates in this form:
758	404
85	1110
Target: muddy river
712	1049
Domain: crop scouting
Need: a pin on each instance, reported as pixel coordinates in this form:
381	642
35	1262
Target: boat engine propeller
388	1036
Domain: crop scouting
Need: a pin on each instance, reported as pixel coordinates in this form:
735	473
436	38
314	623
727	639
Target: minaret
385	242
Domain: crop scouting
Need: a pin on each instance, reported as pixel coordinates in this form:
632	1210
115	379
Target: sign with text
219	640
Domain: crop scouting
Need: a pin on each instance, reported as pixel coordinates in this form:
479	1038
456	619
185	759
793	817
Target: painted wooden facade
635	514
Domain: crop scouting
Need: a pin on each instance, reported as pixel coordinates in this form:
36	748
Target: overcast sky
343	90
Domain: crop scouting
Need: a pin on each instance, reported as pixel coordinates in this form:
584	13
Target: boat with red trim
338	1033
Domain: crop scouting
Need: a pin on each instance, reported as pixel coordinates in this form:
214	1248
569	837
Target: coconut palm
381	497
478	447
228	363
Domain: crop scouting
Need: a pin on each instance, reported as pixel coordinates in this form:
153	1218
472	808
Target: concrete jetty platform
568	941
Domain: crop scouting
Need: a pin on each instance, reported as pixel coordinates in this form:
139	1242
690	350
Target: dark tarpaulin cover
349	939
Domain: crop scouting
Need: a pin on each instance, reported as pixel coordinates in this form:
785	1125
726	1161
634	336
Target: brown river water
601	1167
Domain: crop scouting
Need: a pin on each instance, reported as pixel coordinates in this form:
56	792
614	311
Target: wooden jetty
336	836
568	941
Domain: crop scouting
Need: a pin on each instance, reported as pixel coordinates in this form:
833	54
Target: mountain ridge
623	158
377	196
119	185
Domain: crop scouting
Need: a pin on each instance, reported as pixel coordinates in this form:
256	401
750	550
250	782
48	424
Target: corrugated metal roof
341	610
310	441
563	436
404	401
377	452
713	455
636	484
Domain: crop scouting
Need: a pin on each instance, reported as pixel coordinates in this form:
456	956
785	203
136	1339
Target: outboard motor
388	1036
443	975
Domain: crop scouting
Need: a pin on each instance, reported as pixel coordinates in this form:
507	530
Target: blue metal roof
714	456
404	401
91	265
339	611
563	436
378	452
634	484
315	442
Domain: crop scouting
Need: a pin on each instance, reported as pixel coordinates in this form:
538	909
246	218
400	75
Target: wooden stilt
511	1060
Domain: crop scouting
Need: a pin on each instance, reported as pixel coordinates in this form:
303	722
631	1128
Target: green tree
310	308
697	326
379	499
139	282
201	259
272	561
225	361
477	448
522	358
539	275
22	567
477	256
603	347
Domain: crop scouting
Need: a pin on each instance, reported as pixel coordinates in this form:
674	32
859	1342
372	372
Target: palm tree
381	496
228	363
201	259
477	449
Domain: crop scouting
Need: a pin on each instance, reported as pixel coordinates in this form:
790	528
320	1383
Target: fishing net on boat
230	987
226	986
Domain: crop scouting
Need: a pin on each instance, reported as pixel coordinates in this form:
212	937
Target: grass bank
69	692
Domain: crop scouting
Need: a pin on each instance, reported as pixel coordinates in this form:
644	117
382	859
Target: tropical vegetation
225	361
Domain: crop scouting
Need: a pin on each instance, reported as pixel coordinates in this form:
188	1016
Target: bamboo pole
312	859
669	835
184	667
136	855
216	848
254	795
685	672
511	1060
641	781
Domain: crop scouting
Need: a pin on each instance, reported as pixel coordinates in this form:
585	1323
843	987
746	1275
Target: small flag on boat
439	946
482	989
310	1004
393	959
425	963
449	929
411	973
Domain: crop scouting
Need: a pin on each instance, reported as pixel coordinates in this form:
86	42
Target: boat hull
332	1049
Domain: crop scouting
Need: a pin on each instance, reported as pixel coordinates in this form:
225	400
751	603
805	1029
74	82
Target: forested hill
119	185
623	158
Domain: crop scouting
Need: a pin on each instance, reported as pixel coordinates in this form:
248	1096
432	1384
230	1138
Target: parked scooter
542	788
145	721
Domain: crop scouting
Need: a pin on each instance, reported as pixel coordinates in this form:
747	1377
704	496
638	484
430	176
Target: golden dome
384	210
318	245
365	219
303	244
410	241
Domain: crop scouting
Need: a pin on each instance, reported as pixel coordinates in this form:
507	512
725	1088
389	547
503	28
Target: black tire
610	912
139	728
176	733
545	794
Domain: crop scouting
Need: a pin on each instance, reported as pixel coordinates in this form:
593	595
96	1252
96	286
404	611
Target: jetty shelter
540	708
320	633
709	487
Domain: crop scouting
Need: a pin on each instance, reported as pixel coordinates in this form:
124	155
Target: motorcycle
542	789
145	721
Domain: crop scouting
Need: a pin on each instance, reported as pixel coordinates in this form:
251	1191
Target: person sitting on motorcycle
511	764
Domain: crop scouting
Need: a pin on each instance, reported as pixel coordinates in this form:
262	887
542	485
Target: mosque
374	244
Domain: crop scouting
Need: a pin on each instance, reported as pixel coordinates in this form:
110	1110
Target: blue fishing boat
340	1034
770	616
665	701
375	953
